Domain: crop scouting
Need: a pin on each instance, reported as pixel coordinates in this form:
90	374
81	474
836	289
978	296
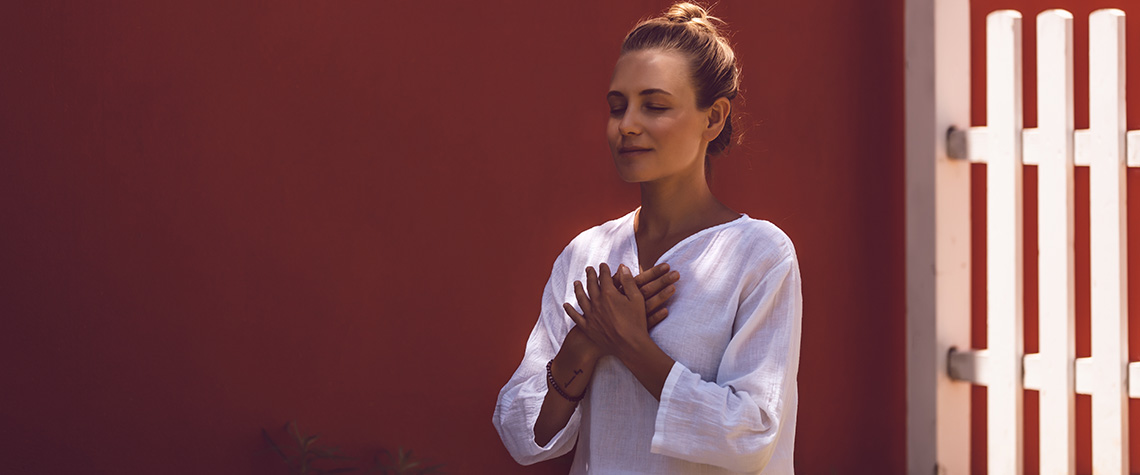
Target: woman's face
655	129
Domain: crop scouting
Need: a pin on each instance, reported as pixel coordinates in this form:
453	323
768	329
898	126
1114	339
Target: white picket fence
1107	148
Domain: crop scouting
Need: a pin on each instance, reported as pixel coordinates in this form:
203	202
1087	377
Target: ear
717	115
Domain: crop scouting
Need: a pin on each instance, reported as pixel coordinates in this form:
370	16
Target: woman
706	384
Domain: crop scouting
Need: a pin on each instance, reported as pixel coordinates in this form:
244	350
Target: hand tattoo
571	381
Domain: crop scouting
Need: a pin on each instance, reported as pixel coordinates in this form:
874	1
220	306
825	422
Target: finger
655	318
655	302
583	299
617	278
607	281
617	284
651	274
573	314
659	284
627	282
592	283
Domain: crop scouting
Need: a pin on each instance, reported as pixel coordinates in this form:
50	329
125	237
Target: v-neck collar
633	237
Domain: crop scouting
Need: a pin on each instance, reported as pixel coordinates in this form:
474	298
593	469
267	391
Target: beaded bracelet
553	384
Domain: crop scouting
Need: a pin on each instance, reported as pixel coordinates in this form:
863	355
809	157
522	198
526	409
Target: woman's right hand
656	285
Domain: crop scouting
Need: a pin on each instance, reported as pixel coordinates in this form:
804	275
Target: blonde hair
689	29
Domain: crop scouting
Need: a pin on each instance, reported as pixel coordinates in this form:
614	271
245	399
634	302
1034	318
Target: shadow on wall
64	457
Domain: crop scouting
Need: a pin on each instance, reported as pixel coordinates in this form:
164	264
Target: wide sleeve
736	421
521	398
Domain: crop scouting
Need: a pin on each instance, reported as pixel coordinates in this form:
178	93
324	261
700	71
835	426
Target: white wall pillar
937	235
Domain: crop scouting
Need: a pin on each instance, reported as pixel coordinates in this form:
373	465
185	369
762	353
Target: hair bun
691	13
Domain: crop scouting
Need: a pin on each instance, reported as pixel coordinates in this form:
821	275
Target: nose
630	123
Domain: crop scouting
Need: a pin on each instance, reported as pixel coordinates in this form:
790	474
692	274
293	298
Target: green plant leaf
296	431
273	444
330	455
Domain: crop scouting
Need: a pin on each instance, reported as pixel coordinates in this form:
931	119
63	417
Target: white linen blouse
729	402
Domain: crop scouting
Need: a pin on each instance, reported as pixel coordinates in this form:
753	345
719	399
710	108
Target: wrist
636	348
648	363
582	348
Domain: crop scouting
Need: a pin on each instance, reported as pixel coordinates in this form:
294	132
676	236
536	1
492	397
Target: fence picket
1056	317
1107	231
1004	242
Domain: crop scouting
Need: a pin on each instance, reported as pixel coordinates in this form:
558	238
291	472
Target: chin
634	176
627	173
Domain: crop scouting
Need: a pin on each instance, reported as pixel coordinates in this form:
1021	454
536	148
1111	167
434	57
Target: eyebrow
646	92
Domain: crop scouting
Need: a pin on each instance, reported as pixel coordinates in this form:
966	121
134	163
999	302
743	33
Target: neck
675	204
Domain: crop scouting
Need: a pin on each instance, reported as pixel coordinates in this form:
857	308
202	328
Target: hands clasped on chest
613	320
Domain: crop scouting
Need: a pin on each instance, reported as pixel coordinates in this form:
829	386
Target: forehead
637	71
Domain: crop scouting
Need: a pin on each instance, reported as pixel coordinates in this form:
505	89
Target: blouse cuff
665	407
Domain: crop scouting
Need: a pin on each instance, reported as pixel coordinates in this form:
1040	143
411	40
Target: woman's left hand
611	319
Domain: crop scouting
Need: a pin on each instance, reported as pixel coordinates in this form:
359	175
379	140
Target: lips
632	149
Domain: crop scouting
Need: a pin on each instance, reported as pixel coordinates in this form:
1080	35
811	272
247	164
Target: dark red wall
220	216
1029	10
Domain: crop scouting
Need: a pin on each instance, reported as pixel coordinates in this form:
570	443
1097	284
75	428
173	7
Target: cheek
670	130
691	129
680	137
